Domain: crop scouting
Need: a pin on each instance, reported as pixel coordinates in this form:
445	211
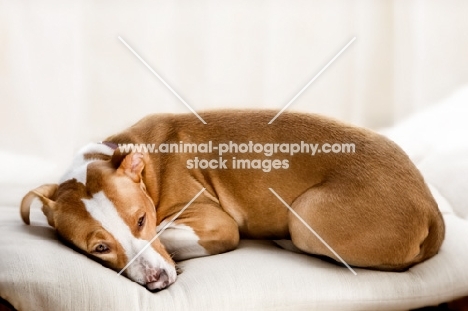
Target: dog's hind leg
362	230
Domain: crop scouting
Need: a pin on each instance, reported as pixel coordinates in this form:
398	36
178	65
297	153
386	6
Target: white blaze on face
104	211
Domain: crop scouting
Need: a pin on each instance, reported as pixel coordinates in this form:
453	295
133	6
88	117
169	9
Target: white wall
66	79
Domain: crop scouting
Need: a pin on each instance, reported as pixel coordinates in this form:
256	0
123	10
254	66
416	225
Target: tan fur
371	206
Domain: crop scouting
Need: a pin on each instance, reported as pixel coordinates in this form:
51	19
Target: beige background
65	78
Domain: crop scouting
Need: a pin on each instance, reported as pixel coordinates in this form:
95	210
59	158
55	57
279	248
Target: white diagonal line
313	231
162	230
313	79
161	79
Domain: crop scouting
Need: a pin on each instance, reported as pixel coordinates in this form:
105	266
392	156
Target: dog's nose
163	277
158	279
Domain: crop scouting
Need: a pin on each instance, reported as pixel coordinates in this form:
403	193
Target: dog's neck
89	153
110	144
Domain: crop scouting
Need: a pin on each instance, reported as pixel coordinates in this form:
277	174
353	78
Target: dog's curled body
370	205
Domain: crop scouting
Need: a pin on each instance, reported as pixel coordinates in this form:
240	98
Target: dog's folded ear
132	165
45	193
117	158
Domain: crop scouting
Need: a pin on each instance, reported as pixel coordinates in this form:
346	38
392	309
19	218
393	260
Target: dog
371	205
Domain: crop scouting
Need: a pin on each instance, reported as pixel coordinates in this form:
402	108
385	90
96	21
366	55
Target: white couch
39	273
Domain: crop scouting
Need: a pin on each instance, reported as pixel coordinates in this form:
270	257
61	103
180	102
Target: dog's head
107	214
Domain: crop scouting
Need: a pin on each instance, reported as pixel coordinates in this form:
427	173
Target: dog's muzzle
157	279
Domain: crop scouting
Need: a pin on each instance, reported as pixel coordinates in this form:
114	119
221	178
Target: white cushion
440	128
38	272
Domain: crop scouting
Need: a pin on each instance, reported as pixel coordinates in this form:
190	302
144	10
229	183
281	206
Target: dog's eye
101	248
141	221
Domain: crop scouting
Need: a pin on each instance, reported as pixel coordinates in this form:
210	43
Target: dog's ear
118	157
132	166
45	193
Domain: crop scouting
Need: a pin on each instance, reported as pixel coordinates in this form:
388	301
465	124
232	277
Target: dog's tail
435	236
429	246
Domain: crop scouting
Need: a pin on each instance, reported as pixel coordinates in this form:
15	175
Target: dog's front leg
201	230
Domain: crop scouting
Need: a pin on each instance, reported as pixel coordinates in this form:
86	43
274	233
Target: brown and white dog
371	206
